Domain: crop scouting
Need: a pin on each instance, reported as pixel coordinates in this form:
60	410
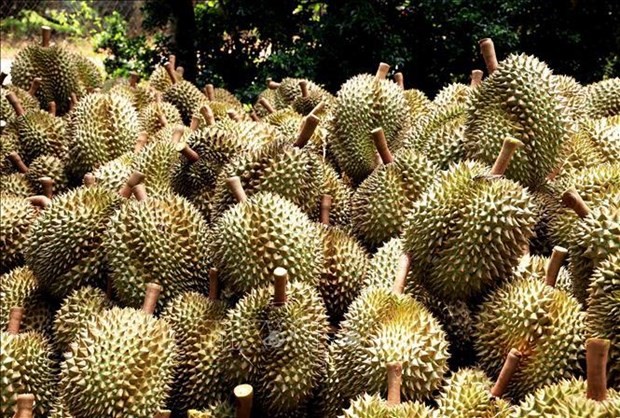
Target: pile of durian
168	252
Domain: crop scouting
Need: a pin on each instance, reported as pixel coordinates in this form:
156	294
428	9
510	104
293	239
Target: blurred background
237	44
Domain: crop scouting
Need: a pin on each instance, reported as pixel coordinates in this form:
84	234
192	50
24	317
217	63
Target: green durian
155	116
160	80
113	174
40	133
156	161
452	94
269	95
536	266
47	166
419	104
219	94
186	98
89	74
603	98
139	96
15	185
547	205
311	96
16	217
28	102
367	406
574	96
8	144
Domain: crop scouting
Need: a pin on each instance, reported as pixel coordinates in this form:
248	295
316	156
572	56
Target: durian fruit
140	96
521	100
468	231
244	396
184	96
544	323
16	217
159	78
113	174
276	337
269	94
156	238
89	74
254	134
363	103
455	93
419	104
372	406
573	397
380	204
261	233
219	94
26	366
311	96
156	116
8	143
602	98
59	410
48	166
156	161
136	353
104	126
574	96
25	97
537	266
63	248
15	185
547	205
285	91
77	309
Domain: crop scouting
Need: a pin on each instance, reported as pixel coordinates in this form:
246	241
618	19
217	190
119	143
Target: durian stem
404	262
3	77
73	100
207	113
244	395
476	78
378	136
510	366
308	126
133	79
177	134
141	141
279	289
47	184
46	36
266	104
39	201
597	350
15	103
303	85
572	200
555	263
195	123
15	320
318	108
326	205
163	413
233	115
25	404
210	92
509	147
126	189
180	71
488	53
394	378
272	85
214	288
254	116
400	80
17	162
34	86
139	192
171	73
52	108
382	71
89	180
150	299
172	59
235	187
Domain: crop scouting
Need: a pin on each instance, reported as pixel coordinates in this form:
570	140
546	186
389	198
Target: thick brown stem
272	85
326	205
163	413
17	162
233	115
555	263
39	201
303	85
597	350
191	155
510	366
15	103
177	134
51	108
400	80
235	187
171	73
572	200
24	405
172	59
244	395
89	180
47	184
46	36
394	377
150	299
509	147
378	136
210	92
318	109
254	116
139	192
382	71
133	79
265	103
126	189
180	71
279	292
307	130
214	287
34	86
195	123
476	78
488	53
15	320
141	141
404	262
207	114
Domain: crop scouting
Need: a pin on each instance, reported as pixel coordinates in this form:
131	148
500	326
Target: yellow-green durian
16	217
603	98
372	406
156	116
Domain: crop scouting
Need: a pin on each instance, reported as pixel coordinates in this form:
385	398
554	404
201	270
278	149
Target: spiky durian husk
270	95
59	410
139	96
467	232
149	117
40	133
160	80
253	134
574	96
156	161
452	94
15	185
545	324
77	309
363	104
8	143
16	218
166	133
113	174
223	95
186	98
341	193
567	398
536	267
381	203
603	98
28	102
63	248
104	127
279	350
288	90
520	100
48	166
156	239
135	351
417	102
215	410
89	74
547	206
367	406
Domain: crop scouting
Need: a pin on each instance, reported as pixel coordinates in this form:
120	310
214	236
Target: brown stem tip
509	147
254	116
233	115
488	53
177	134
191	155
39	201
180	71
195	123
572	200
266	104
326	205
17	162
15	103
141	141
394	377
404	262
555	263
235	187
400	80
46	36
244	395
318	109
126	189
15	320
171	73
34	86
210	92
303	85
89	180
172	59
597	350
24	405
213	284
378	137
476	78
133	79
51	108
207	114
308	127
382	71
153	290
47	184
139	192
272	85
281	278
510	366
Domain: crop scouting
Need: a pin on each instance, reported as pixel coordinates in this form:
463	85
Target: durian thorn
476	78
195	123
308	126
318	108
233	115
272	85
126	189
39	201
210	92
3	77
180	71
17	162
213	284
51	107
509	146
24	405
34	86
171	73
266	104
555	263
73	100
244	395
400	80
279	288
303	85
173	60
597	350
163	413
508	369
488	54
572	200
153	291
382	71
139	192
404	262
47	184
326	205
394	378
15	320
141	141
15	103
89	180
134	77
254	116
207	114
235	187
46	36
378	137
177	135
191	155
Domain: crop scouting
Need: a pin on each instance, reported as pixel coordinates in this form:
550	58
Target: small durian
50	168
159	78
26	98
574	96
184	96
311	96
139	96
603	98
156	161
155	116
89	74
16	217
113	174
419	104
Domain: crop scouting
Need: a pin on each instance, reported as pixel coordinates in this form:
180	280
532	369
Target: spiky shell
417	102
160	80
156	161
270	95
535	266
150	117
15	185
603	98
166	133
8	143
186	98
48	166
59	410
574	96
216	410
16	218
89	74
139	96
547	204
113	174
41	134
28	102
223	95
367	406
254	134
452	94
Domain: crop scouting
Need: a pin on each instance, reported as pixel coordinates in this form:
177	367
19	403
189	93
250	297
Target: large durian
184	96
52	169
603	98
574	96
156	161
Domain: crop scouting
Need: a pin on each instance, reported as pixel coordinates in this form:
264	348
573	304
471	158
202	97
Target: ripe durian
138	95
219	94
113	174
51	167
269	95
160	80
417	101
16	217
603	98
311	96
184	96
15	185
536	266
574	96
452	94
156	161
26	98
253	134
156	116
88	72
547	206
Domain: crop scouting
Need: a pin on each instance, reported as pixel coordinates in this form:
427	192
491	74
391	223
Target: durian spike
15	320
17	162
3	77
39	201
510	366
134	77
378	137
235	187
266	104
488	53
272	85
207	113
73	101
34	86
244	395
47	183
308	126
394	378
254	116
597	350
382	71
326	205
191	155
139	192
233	115
163	413
210	92
89	180
279	288
51	108
195	123
180	70
173	60
150	299
400	80
134	178
214	287
572	200
476	78
171	73
177	134
303	85
555	263
404	262
15	103
25	404
46	36
318	108
509	147
143	138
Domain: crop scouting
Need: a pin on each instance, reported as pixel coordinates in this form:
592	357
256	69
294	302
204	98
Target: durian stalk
39	201
382	71
404	263
400	80
266	104
235	187
34	86
508	369
213	284
210	92
303	85
89	180
180	70
47	183
244	395
555	263
46	36
279	288
177	134
143	138
378	136
150	299
233	115
195	123
476	78
3	77
326	205
25	403
318	108
488	53
17	162
509	147
172	59
139	192
134	178
191	155
163	413
51	108
308	126
161	118
272	85
254	116
15	103
15	320
72	101
133	79
572	200
171	73
207	113
597	350
394	379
